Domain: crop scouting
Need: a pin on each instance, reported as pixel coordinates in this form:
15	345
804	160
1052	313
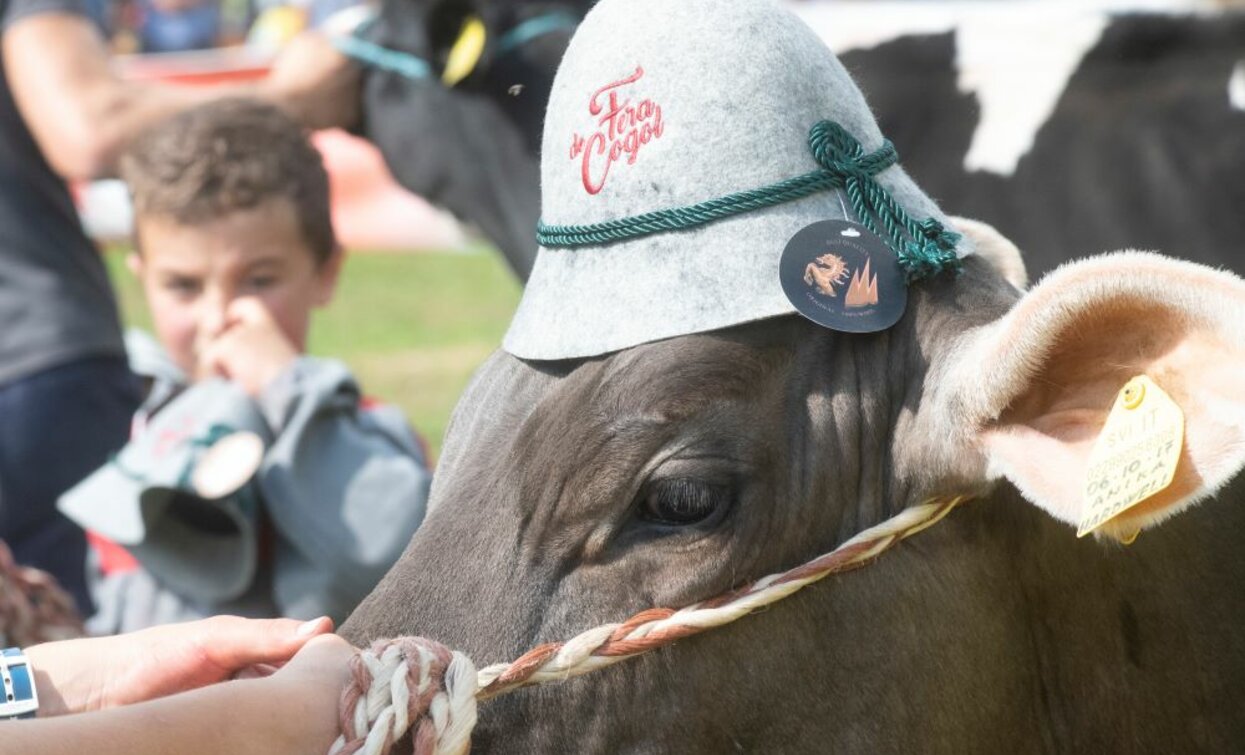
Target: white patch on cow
1236	87
1016	56
851	26
856	24
1018	68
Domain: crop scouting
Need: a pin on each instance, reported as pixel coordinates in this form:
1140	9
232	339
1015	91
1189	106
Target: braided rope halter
416	685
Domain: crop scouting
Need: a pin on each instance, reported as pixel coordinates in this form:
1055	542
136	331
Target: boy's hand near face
251	350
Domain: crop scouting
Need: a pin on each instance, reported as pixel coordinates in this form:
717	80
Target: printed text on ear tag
1136	454
842	276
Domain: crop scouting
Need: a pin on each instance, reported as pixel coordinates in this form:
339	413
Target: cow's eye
682	501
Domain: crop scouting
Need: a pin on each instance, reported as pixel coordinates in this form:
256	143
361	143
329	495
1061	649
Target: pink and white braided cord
419	685
409	684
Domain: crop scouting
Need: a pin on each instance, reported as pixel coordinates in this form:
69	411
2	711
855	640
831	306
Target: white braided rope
576	656
384	713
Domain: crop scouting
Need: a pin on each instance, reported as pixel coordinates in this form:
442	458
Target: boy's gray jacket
343	487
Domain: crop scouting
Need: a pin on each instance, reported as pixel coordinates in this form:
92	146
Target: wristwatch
20	698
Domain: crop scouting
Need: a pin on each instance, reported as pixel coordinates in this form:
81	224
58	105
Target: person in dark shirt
66	394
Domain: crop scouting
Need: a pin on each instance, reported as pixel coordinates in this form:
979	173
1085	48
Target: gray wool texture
739	85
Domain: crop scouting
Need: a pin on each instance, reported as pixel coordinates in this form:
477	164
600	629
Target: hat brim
592	300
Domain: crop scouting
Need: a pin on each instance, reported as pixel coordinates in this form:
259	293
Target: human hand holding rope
165	679
84	675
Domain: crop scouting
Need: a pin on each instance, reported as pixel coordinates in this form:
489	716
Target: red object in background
201	67
113	558
370	210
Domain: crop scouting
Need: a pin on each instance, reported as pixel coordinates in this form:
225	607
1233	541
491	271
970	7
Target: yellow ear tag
1136	453
465	54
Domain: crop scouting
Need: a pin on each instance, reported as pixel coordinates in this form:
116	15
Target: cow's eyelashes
682	501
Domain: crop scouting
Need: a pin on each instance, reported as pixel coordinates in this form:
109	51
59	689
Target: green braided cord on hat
924	248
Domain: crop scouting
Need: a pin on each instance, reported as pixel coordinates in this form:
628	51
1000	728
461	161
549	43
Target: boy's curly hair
226	156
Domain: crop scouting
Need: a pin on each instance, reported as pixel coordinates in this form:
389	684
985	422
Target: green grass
412	327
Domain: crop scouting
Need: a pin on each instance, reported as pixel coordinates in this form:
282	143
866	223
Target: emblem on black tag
843	276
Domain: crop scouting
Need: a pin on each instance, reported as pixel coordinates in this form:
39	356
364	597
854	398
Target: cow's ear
995	248
1036	387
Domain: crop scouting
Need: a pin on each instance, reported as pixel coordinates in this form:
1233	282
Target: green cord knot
928	248
923	249
931	252
838	153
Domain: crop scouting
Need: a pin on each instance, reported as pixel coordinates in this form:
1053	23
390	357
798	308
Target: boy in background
234	248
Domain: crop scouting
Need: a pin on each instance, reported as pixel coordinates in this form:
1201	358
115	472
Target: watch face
21	700
844	277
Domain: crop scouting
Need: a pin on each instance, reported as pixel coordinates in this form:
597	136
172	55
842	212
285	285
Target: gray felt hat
708	98
177	497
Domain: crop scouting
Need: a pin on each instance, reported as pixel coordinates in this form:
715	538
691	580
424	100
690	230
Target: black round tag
842	276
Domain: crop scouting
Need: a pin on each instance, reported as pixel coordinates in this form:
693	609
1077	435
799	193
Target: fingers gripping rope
418	685
408	684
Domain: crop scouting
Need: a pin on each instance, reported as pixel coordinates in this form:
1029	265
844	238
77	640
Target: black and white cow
1072	131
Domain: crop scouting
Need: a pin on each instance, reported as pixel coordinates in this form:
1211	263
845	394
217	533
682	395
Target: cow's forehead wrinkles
596	462
677	378
591	431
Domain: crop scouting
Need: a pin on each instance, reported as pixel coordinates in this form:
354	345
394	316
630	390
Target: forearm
117	111
83	115
64	678
257	716
90	674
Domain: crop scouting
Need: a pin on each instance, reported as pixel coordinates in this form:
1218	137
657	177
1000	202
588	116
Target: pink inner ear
1042	441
